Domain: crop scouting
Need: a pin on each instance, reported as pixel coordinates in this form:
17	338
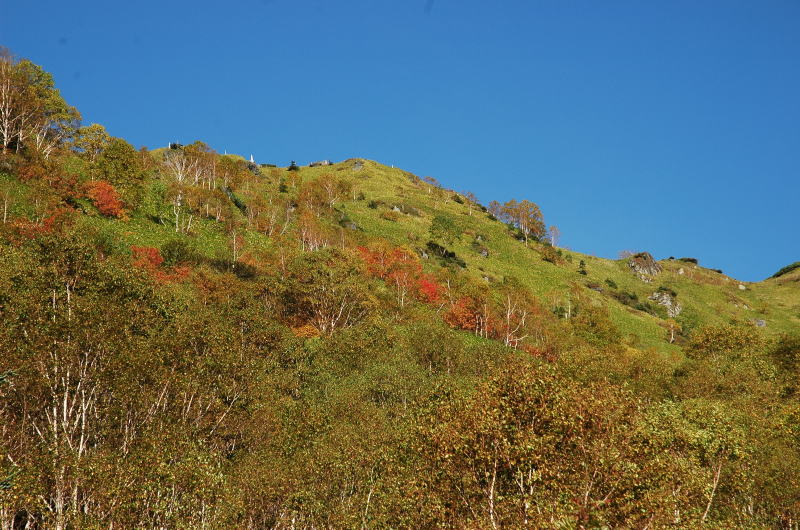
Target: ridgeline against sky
668	127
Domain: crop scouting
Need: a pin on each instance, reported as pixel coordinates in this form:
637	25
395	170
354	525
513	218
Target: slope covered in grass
189	340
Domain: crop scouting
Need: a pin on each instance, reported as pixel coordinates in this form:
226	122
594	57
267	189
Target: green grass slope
392	204
707	297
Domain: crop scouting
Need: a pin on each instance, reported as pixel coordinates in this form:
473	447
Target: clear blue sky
672	127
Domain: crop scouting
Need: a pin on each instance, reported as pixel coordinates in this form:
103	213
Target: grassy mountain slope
189	340
708	297
247	356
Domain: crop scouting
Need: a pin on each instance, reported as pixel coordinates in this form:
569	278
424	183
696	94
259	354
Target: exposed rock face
742	287
674	307
406	209
644	266
761	323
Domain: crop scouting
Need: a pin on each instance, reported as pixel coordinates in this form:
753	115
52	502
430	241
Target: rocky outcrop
667	300
644	266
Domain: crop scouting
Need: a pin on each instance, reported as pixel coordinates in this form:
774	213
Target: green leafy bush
787	269
786	353
625	297
448	257
727	339
178	251
669	291
444	229
551	255
647	307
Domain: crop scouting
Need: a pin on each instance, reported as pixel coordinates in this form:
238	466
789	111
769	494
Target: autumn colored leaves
504	314
401	269
105	198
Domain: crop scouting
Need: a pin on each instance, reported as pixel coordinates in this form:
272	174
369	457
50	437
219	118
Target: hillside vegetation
190	340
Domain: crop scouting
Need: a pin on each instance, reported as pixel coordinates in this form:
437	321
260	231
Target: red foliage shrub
402	269
150	259
31	170
147	257
546	354
176	274
23	229
49	175
105	198
429	290
383	262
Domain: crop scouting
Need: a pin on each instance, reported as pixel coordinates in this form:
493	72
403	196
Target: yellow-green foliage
351	346
724	340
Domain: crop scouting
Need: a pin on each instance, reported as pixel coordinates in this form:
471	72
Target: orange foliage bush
147	257
175	275
306	331
105	198
31	170
464	314
402	269
23	229
150	259
546	354
383	262
49	175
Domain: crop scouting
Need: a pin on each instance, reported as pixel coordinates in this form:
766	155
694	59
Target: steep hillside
707	296
190	340
396	206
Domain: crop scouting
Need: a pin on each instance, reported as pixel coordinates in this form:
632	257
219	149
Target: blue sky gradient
672	127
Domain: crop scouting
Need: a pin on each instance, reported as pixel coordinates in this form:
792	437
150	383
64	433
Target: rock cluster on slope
644	266
666	299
